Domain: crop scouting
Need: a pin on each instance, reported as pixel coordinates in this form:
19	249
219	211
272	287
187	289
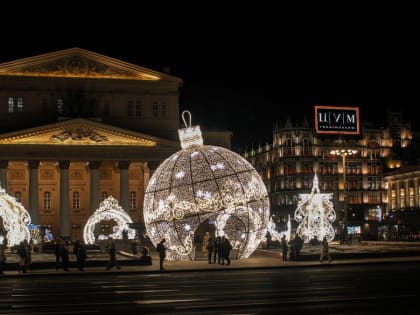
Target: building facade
288	165
76	127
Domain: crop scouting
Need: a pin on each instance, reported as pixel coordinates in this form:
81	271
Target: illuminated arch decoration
109	209
16	219
315	213
205	183
278	235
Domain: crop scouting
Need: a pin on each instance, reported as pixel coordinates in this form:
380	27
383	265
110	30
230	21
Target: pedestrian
3	258
216	249
81	256
284	247
298	246
226	248
210	248
112	253
161	249
21	253
325	253
65	259
57	252
28	257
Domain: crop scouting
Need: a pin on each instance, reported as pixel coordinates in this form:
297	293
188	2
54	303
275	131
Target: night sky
247	94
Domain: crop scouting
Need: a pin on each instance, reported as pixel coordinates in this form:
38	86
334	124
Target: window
106	108
20	105
11	104
76	200
47	200
130	108
163	109
307	148
132	200
104	195
18	196
138	109
44	105
155	109
60	106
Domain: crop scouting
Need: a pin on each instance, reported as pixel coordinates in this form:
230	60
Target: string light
109	209
315	212
202	183
16	219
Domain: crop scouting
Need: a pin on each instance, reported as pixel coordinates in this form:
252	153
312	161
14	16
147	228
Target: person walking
112	252
3	258
81	256
210	248
161	249
21	252
57	252
284	247
226	248
325	253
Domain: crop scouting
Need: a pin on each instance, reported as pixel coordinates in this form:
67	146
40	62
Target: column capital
64	165
94	165
4	163
33	164
124	165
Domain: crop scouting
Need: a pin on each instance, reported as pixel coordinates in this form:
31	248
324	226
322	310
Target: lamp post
344	153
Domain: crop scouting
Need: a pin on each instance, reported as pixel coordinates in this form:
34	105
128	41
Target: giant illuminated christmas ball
203	183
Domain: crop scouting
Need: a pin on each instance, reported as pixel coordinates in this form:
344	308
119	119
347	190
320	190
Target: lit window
60	106
76	200
20	105
18	196
47	200
11	105
132	200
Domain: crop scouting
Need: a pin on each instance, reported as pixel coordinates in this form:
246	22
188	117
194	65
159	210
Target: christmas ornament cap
190	135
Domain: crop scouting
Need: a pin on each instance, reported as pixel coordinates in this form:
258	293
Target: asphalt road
324	289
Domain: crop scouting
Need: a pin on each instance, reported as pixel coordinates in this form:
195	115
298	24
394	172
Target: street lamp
344	153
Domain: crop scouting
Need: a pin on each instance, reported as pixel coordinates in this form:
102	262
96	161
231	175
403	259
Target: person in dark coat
210	248
220	258
21	252
216	249
226	248
65	259
57	252
161	249
81	256
112	252
284	247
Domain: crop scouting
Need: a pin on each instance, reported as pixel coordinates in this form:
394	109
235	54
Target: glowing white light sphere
200	183
16	219
109	209
315	213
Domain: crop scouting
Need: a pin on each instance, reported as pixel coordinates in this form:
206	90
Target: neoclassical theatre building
76	127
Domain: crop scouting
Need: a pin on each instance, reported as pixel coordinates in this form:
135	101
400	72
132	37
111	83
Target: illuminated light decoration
278	235
315	213
16	219
216	185
109	209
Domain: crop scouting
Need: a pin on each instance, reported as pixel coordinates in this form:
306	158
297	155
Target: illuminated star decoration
315	213
109	210
201	184
16	219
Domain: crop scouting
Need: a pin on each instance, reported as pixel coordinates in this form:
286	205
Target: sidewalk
96	264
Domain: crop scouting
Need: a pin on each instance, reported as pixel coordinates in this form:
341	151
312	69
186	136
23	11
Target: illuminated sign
337	120
375	214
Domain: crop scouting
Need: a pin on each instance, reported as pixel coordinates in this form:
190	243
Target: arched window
18	196
132	200
76	200
47	200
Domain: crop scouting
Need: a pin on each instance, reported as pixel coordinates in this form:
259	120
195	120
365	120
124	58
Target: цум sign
337	120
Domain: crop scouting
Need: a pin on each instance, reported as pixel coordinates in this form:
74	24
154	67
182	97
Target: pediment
80	63
80	132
